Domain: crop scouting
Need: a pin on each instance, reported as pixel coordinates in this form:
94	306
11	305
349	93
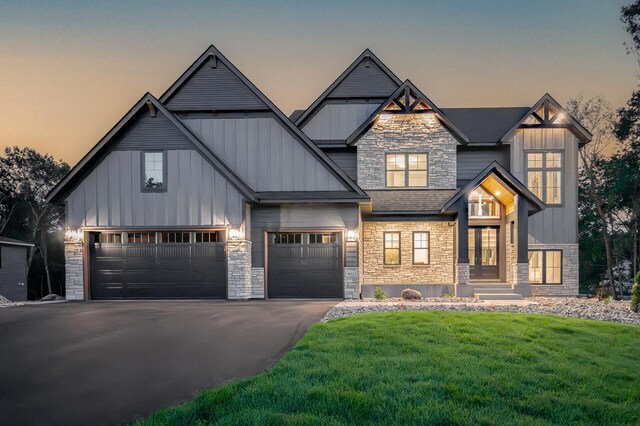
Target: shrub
379	294
410	294
635	294
603	293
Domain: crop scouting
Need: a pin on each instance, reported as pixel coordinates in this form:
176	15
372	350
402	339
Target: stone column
463	289
520	278
73	270
238	269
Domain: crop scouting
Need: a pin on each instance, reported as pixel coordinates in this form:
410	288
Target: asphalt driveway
112	362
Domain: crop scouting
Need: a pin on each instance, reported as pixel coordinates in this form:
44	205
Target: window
322	238
154	171
545	266
206	237
175	237
420	248
544	176
406	170
141	237
483	204
288	238
391	248
110	237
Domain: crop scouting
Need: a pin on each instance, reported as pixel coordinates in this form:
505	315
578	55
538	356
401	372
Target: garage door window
323	238
290	238
206	237
175	237
110	238
141	238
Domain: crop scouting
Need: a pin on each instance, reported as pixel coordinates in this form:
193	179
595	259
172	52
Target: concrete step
493	290
498	296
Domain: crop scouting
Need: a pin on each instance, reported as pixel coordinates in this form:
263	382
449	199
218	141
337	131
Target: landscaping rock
4	299
410	294
615	311
51	297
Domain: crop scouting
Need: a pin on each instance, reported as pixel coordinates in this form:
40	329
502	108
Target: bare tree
598	117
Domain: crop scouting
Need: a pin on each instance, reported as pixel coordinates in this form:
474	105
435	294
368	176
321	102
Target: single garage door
158	265
304	265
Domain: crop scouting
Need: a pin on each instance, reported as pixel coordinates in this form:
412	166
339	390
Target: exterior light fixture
235	233
498	193
351	235
73	236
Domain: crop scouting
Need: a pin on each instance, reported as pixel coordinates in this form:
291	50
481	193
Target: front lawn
438	368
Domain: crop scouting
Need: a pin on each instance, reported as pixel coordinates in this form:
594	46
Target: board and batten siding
346	159
555	224
338	121
471	160
367	80
298	218
111	195
264	154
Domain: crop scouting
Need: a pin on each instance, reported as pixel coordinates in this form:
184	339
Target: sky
69	70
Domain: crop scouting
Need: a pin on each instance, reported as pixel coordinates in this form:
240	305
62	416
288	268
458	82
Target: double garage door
304	265
158	265
192	265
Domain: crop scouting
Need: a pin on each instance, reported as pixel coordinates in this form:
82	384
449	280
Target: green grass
438	368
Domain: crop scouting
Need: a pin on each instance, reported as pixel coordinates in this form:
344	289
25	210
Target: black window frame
544	169
406	169
143	172
385	248
313	237
544	266
414	248
286	237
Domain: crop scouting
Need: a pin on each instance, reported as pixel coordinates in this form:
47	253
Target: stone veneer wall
73	271
257	283
351	283
239	274
440	269
510	251
394	133
570	272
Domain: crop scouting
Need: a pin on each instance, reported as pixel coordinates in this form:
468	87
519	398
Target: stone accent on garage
73	271
440	269
257	283
411	133
351	283
239	273
570	271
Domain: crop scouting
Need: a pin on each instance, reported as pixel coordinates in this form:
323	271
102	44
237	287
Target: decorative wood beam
152	109
407	98
213	62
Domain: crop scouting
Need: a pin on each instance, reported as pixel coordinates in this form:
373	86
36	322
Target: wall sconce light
73	236
235	233
351	235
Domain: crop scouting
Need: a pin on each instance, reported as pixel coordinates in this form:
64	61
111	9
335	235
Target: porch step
498	296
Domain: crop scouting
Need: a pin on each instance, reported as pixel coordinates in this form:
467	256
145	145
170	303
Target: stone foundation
351	283
73	271
239	273
570	272
463	289
394	290
520	279
257	283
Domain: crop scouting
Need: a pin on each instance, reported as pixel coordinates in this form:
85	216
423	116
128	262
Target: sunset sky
69	70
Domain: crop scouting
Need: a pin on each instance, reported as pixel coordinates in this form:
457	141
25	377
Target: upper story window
406	170
482	204
544	175
154	168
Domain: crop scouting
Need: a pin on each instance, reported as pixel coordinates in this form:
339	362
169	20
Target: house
14	267
211	191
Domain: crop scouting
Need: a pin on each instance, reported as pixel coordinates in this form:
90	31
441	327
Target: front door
483	253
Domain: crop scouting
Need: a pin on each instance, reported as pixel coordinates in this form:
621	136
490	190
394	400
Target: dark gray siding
196	195
346	159
365	82
147	132
338	121
472	160
214	89
297	217
265	154
555	224
13	273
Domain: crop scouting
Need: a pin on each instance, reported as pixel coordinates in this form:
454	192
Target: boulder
410	294
50	297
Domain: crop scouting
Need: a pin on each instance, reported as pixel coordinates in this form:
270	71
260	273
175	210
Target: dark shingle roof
485	125
12	241
410	200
